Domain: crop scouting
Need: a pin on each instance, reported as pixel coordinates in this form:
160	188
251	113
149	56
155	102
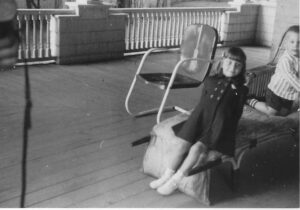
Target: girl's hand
249	77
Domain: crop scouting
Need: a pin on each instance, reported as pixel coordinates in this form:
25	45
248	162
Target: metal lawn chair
196	53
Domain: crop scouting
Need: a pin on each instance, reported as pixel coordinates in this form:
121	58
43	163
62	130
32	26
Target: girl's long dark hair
238	54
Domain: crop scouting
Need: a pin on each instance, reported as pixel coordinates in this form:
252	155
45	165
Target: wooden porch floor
79	146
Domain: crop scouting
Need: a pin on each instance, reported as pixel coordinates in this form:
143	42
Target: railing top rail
168	9
45	11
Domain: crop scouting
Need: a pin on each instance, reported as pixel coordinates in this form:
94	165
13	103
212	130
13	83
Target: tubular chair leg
145	112
157	111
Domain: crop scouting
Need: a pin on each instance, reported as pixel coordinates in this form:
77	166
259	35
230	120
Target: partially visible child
213	123
284	86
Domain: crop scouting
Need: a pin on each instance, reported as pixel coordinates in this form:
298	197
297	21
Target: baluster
127	34
206	18
48	52
41	39
142	34
181	27
168	27
156	25
147	31
151	40
213	14
216	19
165	25
34	37
189	18
137	34
194	17
157	18
177	28
177	22
169	34
213	19
172	31
132	32
185	21
222	23
26	18
20	50
219	21
202	17
160	30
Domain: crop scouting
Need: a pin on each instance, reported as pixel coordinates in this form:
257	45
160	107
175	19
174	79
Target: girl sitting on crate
212	124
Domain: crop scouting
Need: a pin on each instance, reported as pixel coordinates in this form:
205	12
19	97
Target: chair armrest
147	53
259	80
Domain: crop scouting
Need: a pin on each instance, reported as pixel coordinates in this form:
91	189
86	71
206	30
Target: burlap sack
161	145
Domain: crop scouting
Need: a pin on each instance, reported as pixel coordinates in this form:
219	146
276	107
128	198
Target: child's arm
288	73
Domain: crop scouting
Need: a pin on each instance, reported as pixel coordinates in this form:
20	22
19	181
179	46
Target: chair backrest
199	41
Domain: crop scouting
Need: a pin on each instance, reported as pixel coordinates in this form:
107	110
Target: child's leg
197	152
171	185
262	106
175	158
272	106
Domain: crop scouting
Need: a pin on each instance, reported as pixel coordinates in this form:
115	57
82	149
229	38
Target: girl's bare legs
175	157
197	152
193	156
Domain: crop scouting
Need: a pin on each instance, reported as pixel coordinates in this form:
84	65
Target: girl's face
231	67
292	43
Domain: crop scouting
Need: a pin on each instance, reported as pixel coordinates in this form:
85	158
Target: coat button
219	82
211	96
218	98
216	89
222	91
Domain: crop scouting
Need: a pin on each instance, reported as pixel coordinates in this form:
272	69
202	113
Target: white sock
171	185
252	102
178	176
166	176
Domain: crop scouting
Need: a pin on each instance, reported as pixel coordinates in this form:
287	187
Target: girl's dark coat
214	120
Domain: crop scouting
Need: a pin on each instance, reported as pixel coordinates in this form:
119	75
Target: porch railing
34	26
163	27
